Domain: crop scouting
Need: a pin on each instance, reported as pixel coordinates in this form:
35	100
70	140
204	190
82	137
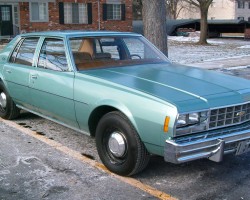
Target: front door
6	20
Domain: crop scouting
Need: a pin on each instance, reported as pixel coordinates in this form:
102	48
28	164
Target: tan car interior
85	57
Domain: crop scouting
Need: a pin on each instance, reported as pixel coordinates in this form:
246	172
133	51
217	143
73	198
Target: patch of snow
192	39
211	41
244	47
183	39
225	57
238	67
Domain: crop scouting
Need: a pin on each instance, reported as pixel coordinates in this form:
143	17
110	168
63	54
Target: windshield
96	52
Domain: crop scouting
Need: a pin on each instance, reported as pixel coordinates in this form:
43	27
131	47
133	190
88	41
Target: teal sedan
120	89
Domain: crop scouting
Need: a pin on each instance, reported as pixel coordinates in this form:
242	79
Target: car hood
179	85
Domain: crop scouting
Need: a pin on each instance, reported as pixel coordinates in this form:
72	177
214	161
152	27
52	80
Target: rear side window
52	55
24	51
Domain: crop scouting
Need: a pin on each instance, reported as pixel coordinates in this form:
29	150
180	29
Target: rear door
17	71
52	83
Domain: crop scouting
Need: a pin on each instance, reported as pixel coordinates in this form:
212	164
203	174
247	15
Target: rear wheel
119	145
8	109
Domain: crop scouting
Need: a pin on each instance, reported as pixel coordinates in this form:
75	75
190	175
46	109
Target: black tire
8	109
133	157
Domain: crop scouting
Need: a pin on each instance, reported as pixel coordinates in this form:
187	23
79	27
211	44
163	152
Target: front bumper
212	147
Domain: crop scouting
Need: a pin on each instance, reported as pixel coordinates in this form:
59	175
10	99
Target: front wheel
8	109
119	145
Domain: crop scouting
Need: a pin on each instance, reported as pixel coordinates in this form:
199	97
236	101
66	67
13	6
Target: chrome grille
214	133
229	116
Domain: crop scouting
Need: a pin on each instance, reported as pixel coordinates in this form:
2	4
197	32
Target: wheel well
96	115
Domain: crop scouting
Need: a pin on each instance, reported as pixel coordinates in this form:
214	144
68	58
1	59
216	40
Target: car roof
79	33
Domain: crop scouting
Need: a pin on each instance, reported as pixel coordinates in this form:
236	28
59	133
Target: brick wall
247	33
53	24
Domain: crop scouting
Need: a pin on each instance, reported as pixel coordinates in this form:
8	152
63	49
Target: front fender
118	106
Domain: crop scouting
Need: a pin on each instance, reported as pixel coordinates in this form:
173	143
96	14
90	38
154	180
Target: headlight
188	119
182	120
193	118
191	122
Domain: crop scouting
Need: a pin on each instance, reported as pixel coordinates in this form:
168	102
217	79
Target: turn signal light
167	119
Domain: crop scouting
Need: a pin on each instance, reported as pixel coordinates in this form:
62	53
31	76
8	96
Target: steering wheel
135	55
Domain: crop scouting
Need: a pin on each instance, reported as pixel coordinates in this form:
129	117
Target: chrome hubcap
3	100
117	144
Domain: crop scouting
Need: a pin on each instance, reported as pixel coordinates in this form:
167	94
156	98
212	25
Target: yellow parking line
78	156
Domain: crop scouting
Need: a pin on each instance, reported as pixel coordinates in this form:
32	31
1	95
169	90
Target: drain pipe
99	15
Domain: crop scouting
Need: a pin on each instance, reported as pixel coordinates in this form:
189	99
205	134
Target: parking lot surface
31	169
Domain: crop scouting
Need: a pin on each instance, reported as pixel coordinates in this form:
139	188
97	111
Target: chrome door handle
8	71
34	76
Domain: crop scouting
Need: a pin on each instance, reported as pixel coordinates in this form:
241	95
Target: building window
16	16
241	4
38	12
5	13
75	13
114	11
240	18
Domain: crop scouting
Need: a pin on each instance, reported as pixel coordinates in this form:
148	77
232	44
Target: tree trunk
203	36
203	5
154	23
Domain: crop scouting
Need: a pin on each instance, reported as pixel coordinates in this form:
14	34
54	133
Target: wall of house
219	9
243	12
222	9
53	22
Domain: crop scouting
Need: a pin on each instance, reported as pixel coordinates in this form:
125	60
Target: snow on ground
185	50
221	52
191	39
183	39
245	47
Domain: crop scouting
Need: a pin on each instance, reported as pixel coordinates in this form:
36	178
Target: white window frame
82	10
6	13
15	15
117	14
46	14
16	18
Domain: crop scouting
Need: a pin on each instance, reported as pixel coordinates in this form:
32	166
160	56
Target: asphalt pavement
31	169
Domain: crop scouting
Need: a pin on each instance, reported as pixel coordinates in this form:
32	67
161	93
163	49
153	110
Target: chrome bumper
214	148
